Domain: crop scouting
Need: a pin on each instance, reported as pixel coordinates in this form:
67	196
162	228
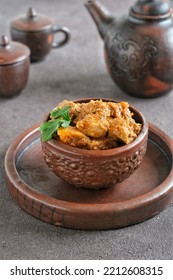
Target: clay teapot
138	47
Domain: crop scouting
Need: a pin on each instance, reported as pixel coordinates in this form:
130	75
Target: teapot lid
32	21
151	9
12	52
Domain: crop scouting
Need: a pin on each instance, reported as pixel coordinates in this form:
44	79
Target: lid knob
4	41
151	9
32	13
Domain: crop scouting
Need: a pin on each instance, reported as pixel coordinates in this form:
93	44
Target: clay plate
42	194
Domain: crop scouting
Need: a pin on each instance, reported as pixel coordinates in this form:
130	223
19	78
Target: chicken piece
120	109
124	130
73	137
93	125
93	107
92	120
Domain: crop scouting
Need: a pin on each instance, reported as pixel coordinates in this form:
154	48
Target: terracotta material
96	169
138	47
42	194
14	67
37	32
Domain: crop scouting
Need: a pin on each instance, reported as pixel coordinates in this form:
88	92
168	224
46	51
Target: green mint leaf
65	123
61	113
49	128
61	118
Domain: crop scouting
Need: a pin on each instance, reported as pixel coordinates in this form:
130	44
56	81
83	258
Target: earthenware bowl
96	169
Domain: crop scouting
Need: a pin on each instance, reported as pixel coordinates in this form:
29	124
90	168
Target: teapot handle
67	35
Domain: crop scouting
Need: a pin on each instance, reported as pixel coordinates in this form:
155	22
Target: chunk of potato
73	137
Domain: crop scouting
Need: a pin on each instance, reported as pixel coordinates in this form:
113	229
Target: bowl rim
54	144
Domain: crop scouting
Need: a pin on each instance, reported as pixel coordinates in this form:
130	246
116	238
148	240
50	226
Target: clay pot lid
151	9
12	52
32	22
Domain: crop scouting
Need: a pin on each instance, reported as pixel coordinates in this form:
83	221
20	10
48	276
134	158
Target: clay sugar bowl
14	67
94	168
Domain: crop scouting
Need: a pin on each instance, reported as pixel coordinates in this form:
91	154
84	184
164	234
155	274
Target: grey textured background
76	70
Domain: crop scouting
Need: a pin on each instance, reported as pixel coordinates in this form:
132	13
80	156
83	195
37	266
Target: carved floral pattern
130	57
94	174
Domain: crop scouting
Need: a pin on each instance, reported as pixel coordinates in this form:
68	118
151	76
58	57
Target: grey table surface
74	71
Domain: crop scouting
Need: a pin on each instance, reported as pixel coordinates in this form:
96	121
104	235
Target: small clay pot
96	169
37	31
14	67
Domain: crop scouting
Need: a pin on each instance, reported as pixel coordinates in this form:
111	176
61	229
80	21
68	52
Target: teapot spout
100	15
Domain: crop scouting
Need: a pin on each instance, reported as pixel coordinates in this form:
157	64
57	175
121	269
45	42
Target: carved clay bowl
96	169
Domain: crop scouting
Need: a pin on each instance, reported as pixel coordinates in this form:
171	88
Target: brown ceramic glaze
37	32
14	67
96	169
138	47
43	195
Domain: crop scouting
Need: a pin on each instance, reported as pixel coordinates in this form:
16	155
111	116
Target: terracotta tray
40	193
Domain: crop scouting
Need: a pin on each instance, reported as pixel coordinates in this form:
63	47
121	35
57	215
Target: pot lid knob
4	41
151	9
12	52
31	13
